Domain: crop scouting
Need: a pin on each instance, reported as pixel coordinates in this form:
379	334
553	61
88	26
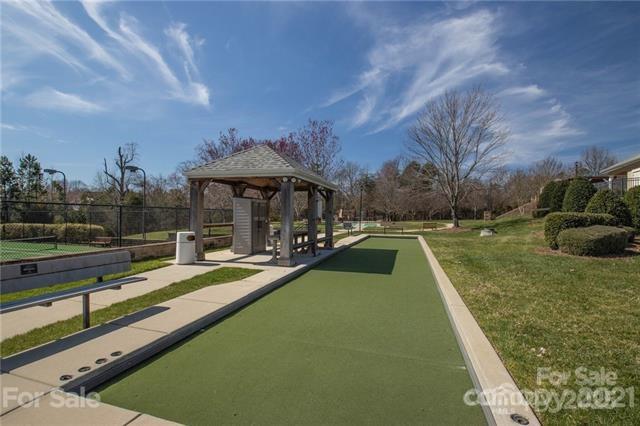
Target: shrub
539	213
578	194
595	240
607	201
632	199
544	202
552	195
631	232
75	232
558	222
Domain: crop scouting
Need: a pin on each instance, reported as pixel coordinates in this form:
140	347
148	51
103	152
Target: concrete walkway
19	322
86	358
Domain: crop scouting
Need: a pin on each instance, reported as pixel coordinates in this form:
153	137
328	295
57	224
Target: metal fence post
120	225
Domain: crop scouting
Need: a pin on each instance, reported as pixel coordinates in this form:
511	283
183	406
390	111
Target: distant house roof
622	167
257	166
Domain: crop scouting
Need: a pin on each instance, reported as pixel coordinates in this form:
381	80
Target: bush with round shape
557	222
607	201
632	200
552	195
595	240
544	202
578	194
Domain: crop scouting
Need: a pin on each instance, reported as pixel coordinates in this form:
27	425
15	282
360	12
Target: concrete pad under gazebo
263	169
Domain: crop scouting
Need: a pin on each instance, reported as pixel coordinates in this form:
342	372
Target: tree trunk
454	218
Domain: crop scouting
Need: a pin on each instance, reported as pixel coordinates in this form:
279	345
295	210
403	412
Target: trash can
185	248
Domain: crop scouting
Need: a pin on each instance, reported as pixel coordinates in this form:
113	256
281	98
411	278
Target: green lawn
164	235
542	309
361	339
136	268
63	328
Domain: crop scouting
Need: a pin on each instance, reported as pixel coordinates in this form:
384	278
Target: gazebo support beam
196	213
328	219
286	222
312	217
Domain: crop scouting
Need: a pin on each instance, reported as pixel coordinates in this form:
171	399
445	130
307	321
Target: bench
44	273
429	225
393	228
349	227
209	226
101	242
305	245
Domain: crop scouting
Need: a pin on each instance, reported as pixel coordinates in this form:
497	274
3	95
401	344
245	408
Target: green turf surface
362	338
12	250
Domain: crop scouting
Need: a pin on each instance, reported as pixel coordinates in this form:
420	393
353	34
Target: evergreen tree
30	178
8	179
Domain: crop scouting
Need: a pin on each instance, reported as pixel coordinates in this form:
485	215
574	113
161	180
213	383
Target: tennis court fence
38	225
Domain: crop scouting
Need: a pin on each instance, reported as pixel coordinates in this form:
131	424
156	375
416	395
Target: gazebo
263	169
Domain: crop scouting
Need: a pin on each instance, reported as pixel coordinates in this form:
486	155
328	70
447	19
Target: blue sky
78	79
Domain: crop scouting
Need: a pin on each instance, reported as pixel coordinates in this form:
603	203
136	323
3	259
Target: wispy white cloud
55	100
14	127
539	128
185	43
39	28
129	37
532	91
409	65
56	28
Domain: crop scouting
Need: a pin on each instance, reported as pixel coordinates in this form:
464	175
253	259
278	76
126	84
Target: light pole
52	172
361	191
135	169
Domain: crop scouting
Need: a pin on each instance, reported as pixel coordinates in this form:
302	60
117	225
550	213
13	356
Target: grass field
63	328
361	339
13	250
545	310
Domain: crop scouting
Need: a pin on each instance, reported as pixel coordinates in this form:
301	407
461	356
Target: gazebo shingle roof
258	162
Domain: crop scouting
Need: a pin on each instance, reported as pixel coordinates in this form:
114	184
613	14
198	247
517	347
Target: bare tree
546	170
349	179
461	135
320	147
388	194
594	159
117	177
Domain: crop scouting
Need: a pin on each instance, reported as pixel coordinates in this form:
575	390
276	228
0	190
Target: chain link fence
30	226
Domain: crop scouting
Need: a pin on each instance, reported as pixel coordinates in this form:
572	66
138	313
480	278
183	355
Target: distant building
624	175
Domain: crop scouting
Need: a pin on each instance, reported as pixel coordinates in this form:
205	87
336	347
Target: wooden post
196	198
312	219
328	220
286	222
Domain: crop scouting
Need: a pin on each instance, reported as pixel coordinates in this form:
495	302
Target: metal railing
619	184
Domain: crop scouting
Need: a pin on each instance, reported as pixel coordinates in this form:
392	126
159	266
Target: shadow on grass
362	260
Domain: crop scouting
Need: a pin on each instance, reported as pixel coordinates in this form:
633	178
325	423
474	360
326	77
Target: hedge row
558	222
74	232
595	240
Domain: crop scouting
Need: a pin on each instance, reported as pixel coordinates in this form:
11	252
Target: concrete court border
487	371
